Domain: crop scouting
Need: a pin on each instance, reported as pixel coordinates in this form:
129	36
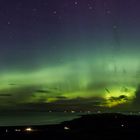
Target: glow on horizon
116	93
81	78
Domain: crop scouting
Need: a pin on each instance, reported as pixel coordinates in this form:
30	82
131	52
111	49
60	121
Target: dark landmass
95	126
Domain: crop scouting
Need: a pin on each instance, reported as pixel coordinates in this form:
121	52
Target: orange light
28	129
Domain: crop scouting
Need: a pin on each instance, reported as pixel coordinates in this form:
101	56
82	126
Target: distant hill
98	126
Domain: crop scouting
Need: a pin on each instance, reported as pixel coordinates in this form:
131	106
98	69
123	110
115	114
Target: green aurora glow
61	55
82	78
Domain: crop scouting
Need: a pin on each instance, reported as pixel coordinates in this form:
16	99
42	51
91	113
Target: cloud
63	103
43	91
61	97
80	100
17	95
5	95
12	84
107	90
120	98
31	93
51	90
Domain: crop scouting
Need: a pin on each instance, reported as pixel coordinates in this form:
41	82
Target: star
8	22
75	2
54	12
108	12
122	125
115	26
34	9
90	8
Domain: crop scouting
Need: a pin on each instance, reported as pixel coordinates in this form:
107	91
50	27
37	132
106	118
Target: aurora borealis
70	54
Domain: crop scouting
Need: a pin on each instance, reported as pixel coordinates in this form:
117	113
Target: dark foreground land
99	126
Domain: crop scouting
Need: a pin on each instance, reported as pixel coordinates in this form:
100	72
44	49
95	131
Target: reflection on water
35	118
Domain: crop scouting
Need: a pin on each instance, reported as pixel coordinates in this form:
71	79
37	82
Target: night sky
70	54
